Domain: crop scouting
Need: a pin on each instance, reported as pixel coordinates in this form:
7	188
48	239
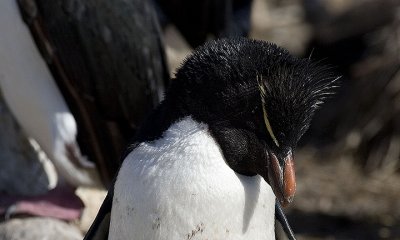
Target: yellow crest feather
265	115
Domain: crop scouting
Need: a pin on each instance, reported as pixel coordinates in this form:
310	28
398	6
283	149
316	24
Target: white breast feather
180	187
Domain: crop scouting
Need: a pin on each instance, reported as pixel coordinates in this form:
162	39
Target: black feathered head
257	99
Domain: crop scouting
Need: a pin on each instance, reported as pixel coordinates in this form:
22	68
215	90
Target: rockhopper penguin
212	158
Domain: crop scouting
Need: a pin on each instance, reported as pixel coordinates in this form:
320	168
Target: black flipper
101	225
280	216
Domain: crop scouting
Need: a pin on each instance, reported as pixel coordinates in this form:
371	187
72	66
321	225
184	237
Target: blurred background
347	165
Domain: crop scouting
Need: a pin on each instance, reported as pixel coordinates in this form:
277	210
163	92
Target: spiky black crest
228	77
293	89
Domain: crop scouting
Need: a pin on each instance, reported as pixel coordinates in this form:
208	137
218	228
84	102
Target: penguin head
258	100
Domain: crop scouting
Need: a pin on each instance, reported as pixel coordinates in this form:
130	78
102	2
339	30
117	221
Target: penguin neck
184	98
166	113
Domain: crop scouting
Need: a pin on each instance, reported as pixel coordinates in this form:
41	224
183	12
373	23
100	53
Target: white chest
179	187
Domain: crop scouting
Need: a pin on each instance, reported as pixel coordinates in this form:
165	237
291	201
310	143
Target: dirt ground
335	200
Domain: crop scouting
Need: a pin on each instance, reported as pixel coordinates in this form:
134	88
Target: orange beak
282	178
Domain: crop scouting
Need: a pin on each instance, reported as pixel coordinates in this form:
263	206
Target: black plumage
198	19
228	84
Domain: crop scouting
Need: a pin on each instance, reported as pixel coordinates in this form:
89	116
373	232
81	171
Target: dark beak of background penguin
281	177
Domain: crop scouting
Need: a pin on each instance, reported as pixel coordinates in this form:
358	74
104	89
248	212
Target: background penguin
211	158
79	101
96	51
35	100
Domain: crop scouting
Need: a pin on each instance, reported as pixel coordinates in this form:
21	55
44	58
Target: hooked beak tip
282	178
